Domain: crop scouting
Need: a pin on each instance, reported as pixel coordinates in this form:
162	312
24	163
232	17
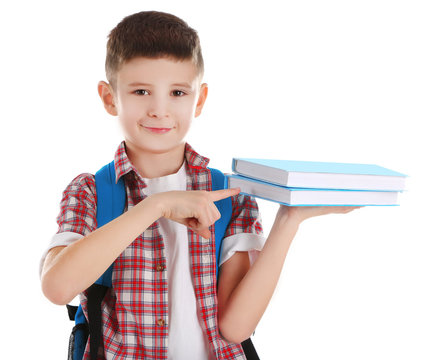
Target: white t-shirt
192	343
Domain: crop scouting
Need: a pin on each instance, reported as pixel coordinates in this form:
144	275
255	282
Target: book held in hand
320	175
306	183
309	197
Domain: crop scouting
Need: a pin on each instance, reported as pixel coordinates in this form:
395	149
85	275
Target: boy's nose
157	109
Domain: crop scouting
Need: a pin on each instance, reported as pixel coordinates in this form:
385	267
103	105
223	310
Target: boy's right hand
194	209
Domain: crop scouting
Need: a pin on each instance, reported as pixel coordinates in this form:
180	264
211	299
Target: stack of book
306	183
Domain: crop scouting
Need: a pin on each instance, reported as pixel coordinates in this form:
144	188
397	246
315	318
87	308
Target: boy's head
154	67
151	34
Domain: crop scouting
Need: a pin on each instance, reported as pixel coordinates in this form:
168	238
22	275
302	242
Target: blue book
320	175
309	197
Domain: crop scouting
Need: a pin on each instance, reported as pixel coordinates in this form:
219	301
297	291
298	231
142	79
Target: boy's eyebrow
185	84
139	84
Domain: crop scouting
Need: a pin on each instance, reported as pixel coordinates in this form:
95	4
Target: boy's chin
160	146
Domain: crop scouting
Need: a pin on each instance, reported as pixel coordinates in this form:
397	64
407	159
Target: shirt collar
123	165
195	161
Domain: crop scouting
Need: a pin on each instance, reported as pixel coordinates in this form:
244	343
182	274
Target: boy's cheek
130	110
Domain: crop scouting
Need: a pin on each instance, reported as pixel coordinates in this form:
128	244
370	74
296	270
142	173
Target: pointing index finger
224	193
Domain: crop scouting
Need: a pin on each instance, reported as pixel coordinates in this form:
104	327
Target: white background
345	81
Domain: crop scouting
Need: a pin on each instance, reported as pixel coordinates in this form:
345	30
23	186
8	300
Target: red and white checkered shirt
135	311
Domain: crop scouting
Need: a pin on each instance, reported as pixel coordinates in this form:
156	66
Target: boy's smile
155	101
158	130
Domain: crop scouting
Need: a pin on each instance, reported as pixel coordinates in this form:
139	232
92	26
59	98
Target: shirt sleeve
245	230
77	217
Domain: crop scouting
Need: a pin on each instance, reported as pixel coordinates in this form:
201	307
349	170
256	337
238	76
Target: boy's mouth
157	130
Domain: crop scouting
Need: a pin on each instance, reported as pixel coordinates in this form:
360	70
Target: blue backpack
111	198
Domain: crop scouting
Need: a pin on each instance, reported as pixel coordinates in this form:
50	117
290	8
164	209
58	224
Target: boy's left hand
301	213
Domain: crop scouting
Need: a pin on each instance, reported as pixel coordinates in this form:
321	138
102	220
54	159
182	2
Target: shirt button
159	267
160	322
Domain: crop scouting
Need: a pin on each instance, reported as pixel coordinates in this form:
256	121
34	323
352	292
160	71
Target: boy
164	301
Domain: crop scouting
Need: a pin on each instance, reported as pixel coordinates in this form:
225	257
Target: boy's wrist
286	217
156	205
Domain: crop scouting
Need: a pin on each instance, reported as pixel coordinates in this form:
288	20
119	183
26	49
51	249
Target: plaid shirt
135	311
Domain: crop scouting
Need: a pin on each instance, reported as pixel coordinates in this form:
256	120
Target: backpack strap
110	204
225	208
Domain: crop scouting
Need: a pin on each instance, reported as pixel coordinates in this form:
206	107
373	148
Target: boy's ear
202	98
106	93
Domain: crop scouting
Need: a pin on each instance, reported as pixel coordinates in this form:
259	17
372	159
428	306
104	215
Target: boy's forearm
251	297
80	264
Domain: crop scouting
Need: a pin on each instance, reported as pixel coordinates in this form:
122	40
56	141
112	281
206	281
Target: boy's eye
140	92
178	93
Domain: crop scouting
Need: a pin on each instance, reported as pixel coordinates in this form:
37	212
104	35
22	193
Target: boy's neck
152	165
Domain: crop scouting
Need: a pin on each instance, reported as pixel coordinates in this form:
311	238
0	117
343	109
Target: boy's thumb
205	232
192	224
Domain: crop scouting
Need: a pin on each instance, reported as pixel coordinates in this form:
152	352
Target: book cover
329	175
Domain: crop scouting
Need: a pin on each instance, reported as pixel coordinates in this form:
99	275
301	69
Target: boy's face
155	101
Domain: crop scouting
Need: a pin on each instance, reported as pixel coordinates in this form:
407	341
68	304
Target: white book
310	197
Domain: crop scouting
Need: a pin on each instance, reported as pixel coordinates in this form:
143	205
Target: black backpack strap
71	310
95	295
249	350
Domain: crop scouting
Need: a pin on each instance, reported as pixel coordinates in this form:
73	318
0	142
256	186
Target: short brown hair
151	34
